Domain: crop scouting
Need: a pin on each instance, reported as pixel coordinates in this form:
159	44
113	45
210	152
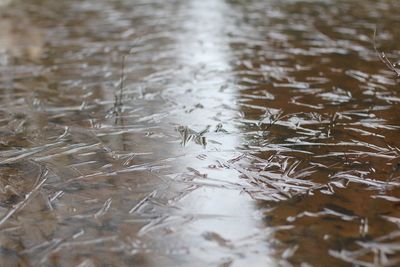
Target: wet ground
199	133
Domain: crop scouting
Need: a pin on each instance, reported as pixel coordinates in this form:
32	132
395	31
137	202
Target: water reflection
224	217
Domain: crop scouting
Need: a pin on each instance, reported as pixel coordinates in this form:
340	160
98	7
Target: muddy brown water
244	133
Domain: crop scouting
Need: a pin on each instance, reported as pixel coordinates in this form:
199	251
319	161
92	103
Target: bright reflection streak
232	224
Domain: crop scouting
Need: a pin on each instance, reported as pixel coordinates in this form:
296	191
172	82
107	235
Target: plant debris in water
205	133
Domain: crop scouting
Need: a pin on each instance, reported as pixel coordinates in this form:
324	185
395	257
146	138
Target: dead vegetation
382	56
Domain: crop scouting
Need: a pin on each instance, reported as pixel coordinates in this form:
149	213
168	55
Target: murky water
242	133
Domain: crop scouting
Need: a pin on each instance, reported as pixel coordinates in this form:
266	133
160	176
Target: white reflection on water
231	225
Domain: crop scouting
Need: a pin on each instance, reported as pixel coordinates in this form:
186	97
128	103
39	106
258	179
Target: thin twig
121	89
118	98
384	59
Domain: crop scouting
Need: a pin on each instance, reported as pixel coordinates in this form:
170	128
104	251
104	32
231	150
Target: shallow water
201	133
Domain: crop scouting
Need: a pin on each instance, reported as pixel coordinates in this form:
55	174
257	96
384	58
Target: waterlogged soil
199	133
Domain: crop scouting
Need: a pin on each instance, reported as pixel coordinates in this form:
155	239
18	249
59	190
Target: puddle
201	133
